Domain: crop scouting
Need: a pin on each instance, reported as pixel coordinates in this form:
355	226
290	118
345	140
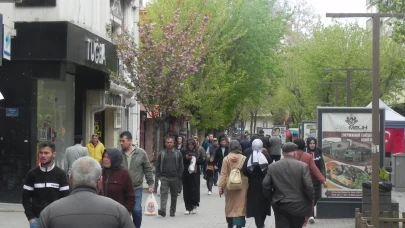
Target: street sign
12	112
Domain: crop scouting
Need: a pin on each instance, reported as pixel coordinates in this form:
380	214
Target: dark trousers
210	180
259	220
204	169
166	185
216	174
275	157
287	220
313	208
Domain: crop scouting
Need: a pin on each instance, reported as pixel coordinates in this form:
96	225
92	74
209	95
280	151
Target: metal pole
348	88
376	121
337	95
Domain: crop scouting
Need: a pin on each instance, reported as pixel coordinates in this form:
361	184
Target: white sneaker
187	213
209	193
311	220
194	211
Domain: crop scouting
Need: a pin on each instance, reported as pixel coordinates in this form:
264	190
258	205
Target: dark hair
169	137
275	129
300	143
47	144
126	134
95	134
78	139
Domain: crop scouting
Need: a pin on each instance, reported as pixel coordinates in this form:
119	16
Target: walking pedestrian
84	208
136	161
169	169
117	183
211	168
192	158
202	152
235	200
275	146
180	145
255	168
75	152
316	154
95	148
220	154
44	184
289	188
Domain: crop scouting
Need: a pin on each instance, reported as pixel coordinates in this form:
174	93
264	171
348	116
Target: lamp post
375	101
349	72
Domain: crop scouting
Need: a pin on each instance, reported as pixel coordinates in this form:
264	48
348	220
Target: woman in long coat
191	181
255	168
235	200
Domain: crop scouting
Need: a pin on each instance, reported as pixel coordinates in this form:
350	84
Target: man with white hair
84	208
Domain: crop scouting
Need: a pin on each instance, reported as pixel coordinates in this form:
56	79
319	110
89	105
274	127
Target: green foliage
396	24
383	174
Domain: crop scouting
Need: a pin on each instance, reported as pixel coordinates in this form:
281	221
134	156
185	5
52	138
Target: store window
55	119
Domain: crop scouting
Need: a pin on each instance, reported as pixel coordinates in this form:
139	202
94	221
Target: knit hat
289	147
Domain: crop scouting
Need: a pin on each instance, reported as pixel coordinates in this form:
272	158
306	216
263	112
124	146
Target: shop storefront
53	66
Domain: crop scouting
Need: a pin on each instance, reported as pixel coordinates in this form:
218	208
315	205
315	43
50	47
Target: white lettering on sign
96	52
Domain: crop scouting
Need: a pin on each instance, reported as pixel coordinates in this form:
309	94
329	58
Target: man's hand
215	167
325	185
188	156
151	190
31	221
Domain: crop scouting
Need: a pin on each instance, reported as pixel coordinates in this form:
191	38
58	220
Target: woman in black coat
255	168
319	162
191	179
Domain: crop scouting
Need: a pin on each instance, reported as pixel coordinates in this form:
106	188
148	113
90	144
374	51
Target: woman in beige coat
235	200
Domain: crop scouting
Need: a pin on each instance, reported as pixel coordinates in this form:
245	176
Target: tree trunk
255	119
156	138
251	123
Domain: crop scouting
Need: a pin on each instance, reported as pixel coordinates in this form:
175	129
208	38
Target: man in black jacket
220	153
44	184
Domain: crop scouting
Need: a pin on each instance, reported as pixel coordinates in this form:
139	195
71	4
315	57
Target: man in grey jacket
75	152
137	163
84	208
275	146
289	188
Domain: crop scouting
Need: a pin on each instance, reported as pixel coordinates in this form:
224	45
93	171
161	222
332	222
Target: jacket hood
191	141
115	157
309	139
233	157
235	147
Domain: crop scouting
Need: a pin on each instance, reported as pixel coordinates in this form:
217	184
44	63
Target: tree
166	56
396	24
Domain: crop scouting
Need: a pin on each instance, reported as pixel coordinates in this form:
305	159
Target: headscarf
257	158
234	147
115	158
309	139
316	152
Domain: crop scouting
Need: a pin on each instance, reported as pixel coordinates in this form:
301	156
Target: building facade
57	82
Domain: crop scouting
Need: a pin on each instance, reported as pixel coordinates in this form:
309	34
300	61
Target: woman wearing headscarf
235	200
192	159
318	158
255	168
117	183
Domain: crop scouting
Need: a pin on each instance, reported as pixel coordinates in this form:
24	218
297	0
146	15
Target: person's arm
322	164
63	186
244	167
85	152
66	162
224	174
129	192
28	192
147	169
101	152
157	166
201	157
267	185
307	183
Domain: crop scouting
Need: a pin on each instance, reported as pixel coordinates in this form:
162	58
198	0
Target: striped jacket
42	187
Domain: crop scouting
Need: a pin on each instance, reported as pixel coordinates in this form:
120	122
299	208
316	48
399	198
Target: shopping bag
158	188
151	206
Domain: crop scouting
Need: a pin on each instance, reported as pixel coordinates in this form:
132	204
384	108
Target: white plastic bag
151	206
158	188
192	166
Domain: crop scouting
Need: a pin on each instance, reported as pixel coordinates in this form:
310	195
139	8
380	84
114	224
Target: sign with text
308	129
346	143
12	112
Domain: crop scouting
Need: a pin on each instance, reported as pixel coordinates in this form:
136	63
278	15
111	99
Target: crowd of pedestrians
247	172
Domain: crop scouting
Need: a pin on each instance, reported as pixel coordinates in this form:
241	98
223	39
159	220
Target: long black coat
191	182
257	204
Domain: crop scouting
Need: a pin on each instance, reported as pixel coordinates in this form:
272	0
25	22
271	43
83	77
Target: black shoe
215	184
162	213
172	215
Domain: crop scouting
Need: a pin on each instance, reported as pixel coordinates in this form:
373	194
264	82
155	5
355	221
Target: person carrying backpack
234	185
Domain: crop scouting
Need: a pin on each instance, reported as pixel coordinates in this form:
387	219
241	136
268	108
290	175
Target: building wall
263	122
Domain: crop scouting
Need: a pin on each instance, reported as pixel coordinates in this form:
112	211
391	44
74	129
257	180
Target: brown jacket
313	169
235	201
289	186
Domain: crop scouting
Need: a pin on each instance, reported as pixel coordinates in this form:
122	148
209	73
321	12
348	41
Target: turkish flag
394	140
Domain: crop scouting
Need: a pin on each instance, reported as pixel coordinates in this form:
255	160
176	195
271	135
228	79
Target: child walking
211	167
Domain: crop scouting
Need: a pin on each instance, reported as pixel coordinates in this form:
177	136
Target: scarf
257	158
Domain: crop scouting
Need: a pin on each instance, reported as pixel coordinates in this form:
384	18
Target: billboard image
282	132
308	129
346	143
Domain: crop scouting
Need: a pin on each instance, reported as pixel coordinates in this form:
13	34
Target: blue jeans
34	224
137	210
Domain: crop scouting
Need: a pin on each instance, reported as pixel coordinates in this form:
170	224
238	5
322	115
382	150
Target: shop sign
12	112
114	100
95	52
